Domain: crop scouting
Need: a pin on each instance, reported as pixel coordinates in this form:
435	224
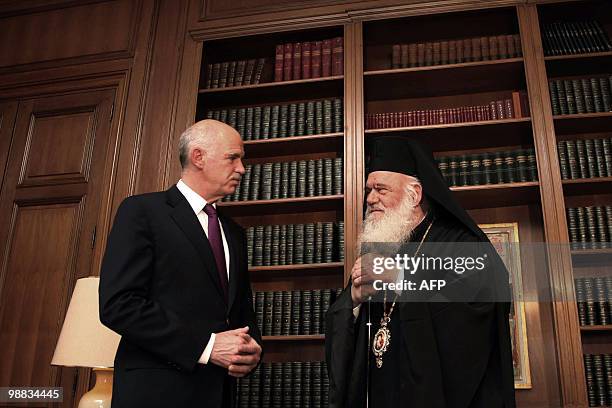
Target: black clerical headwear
408	156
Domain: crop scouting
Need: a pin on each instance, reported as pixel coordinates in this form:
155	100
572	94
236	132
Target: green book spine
589	292
499	167
319	118
241	122
464	165
298	244
563	165
572	159
578	96
310	178
562	97
266	388
325	304
275	245
261	62
240	66
282	248
209	74
601	304
277	385
286	322
328	113
296	368
306	312
315	323
597	91
591	226
582	228
582	159
475	170
284	121
257	111
606	96
254	388
296	312
276	180
284	180
274	122
340	241
590	380
580	301
248	125
231	73
310	118
267	245
245	184
453	171
319	177
277	313
268	313
338	180
554	97
532	165
316	383
306	385
587	91
599	157
223	74
287	385
301	178
301	119
309	243
591	158
570	97
600	381
266	122
215	75
607	150
292	120
608	375
328	242
255	182
250	236
572	226
522	166
259	310
338	115
328	171
248	72
258	246
290	244
318	241
266	181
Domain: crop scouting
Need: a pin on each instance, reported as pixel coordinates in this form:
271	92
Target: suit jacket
160	290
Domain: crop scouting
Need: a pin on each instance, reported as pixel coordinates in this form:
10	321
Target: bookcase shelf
595	329
298	338
301	267
476	65
273	85
284	205
583	123
497	195
287	146
595	185
582	57
477	77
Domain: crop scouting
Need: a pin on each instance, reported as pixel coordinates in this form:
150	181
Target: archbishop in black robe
442	354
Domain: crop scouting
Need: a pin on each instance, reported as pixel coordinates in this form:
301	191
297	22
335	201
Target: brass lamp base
101	394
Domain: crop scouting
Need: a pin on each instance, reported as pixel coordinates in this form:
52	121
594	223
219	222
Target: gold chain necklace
382	338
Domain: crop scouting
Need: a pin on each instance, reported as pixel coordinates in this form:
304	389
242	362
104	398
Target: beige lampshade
84	341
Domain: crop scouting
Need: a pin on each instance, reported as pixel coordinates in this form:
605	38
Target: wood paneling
49	239
70	136
87	32
7	119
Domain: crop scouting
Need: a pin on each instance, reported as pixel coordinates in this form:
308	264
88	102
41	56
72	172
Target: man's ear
197	157
418	191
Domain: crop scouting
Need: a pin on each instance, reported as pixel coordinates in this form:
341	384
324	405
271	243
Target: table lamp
85	342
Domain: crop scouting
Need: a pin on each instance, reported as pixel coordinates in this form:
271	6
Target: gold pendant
382	339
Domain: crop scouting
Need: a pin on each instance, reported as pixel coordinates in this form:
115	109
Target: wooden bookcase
596	191
369	85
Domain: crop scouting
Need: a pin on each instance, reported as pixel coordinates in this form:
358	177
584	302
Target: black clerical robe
441	354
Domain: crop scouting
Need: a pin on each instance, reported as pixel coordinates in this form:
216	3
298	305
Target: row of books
489	168
598	370
585	158
517	107
298	384
274	121
590	227
303	178
234	73
284	313
576	37
295	244
594	300
309	59
582	95
456	51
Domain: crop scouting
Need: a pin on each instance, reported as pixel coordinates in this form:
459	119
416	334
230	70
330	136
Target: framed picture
505	239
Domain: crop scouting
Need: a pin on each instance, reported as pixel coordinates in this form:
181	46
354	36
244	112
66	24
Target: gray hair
193	136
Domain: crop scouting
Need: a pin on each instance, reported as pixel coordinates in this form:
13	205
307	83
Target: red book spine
316	59
338	56
501	114
297	61
306	59
288	63
326	58
278	63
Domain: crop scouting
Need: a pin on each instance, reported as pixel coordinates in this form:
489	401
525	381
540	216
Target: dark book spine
593	171
570	97
231	73
319	118
581	301
574	235
274	121
240	69
326	58
255	388
326	297
292	120
587	91
600	381
216	71
248	72
315	323
590	380
266	122
258	246
306	60
601	229
599	157
582	159
572	159
296	368
532	164
267	246
340	241
309	243
306	385
250	236
578	96
338	179
277	385
266	389
255	182
607	150
554	97
606	96
286	313
316	53
256	135
259	310
275	245
290	244
297	61
248	125
563	164
301	178
562	97
589	294
279	63
288	62
277	313
296	312
282	247
283	126
298	244
306	312
316	384
261	62
601	303
268	313
318	243
338	56
287	385
328	242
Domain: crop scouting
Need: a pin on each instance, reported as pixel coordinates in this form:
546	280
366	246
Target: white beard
393	226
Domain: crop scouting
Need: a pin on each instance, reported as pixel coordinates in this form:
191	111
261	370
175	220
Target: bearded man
419	352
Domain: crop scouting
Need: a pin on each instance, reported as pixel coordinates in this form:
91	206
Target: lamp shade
84	341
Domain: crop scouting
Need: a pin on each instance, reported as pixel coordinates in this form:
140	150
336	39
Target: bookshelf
583	57
373	82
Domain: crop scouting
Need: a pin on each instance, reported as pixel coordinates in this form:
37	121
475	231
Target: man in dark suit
174	284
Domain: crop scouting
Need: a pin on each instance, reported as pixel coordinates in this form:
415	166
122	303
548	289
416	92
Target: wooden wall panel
102	30
8	111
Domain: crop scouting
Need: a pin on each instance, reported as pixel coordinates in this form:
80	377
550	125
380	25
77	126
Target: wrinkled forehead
389	179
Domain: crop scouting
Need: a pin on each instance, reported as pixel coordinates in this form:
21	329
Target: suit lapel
184	217
232	245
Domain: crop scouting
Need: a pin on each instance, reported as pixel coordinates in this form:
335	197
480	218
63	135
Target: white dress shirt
197	203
